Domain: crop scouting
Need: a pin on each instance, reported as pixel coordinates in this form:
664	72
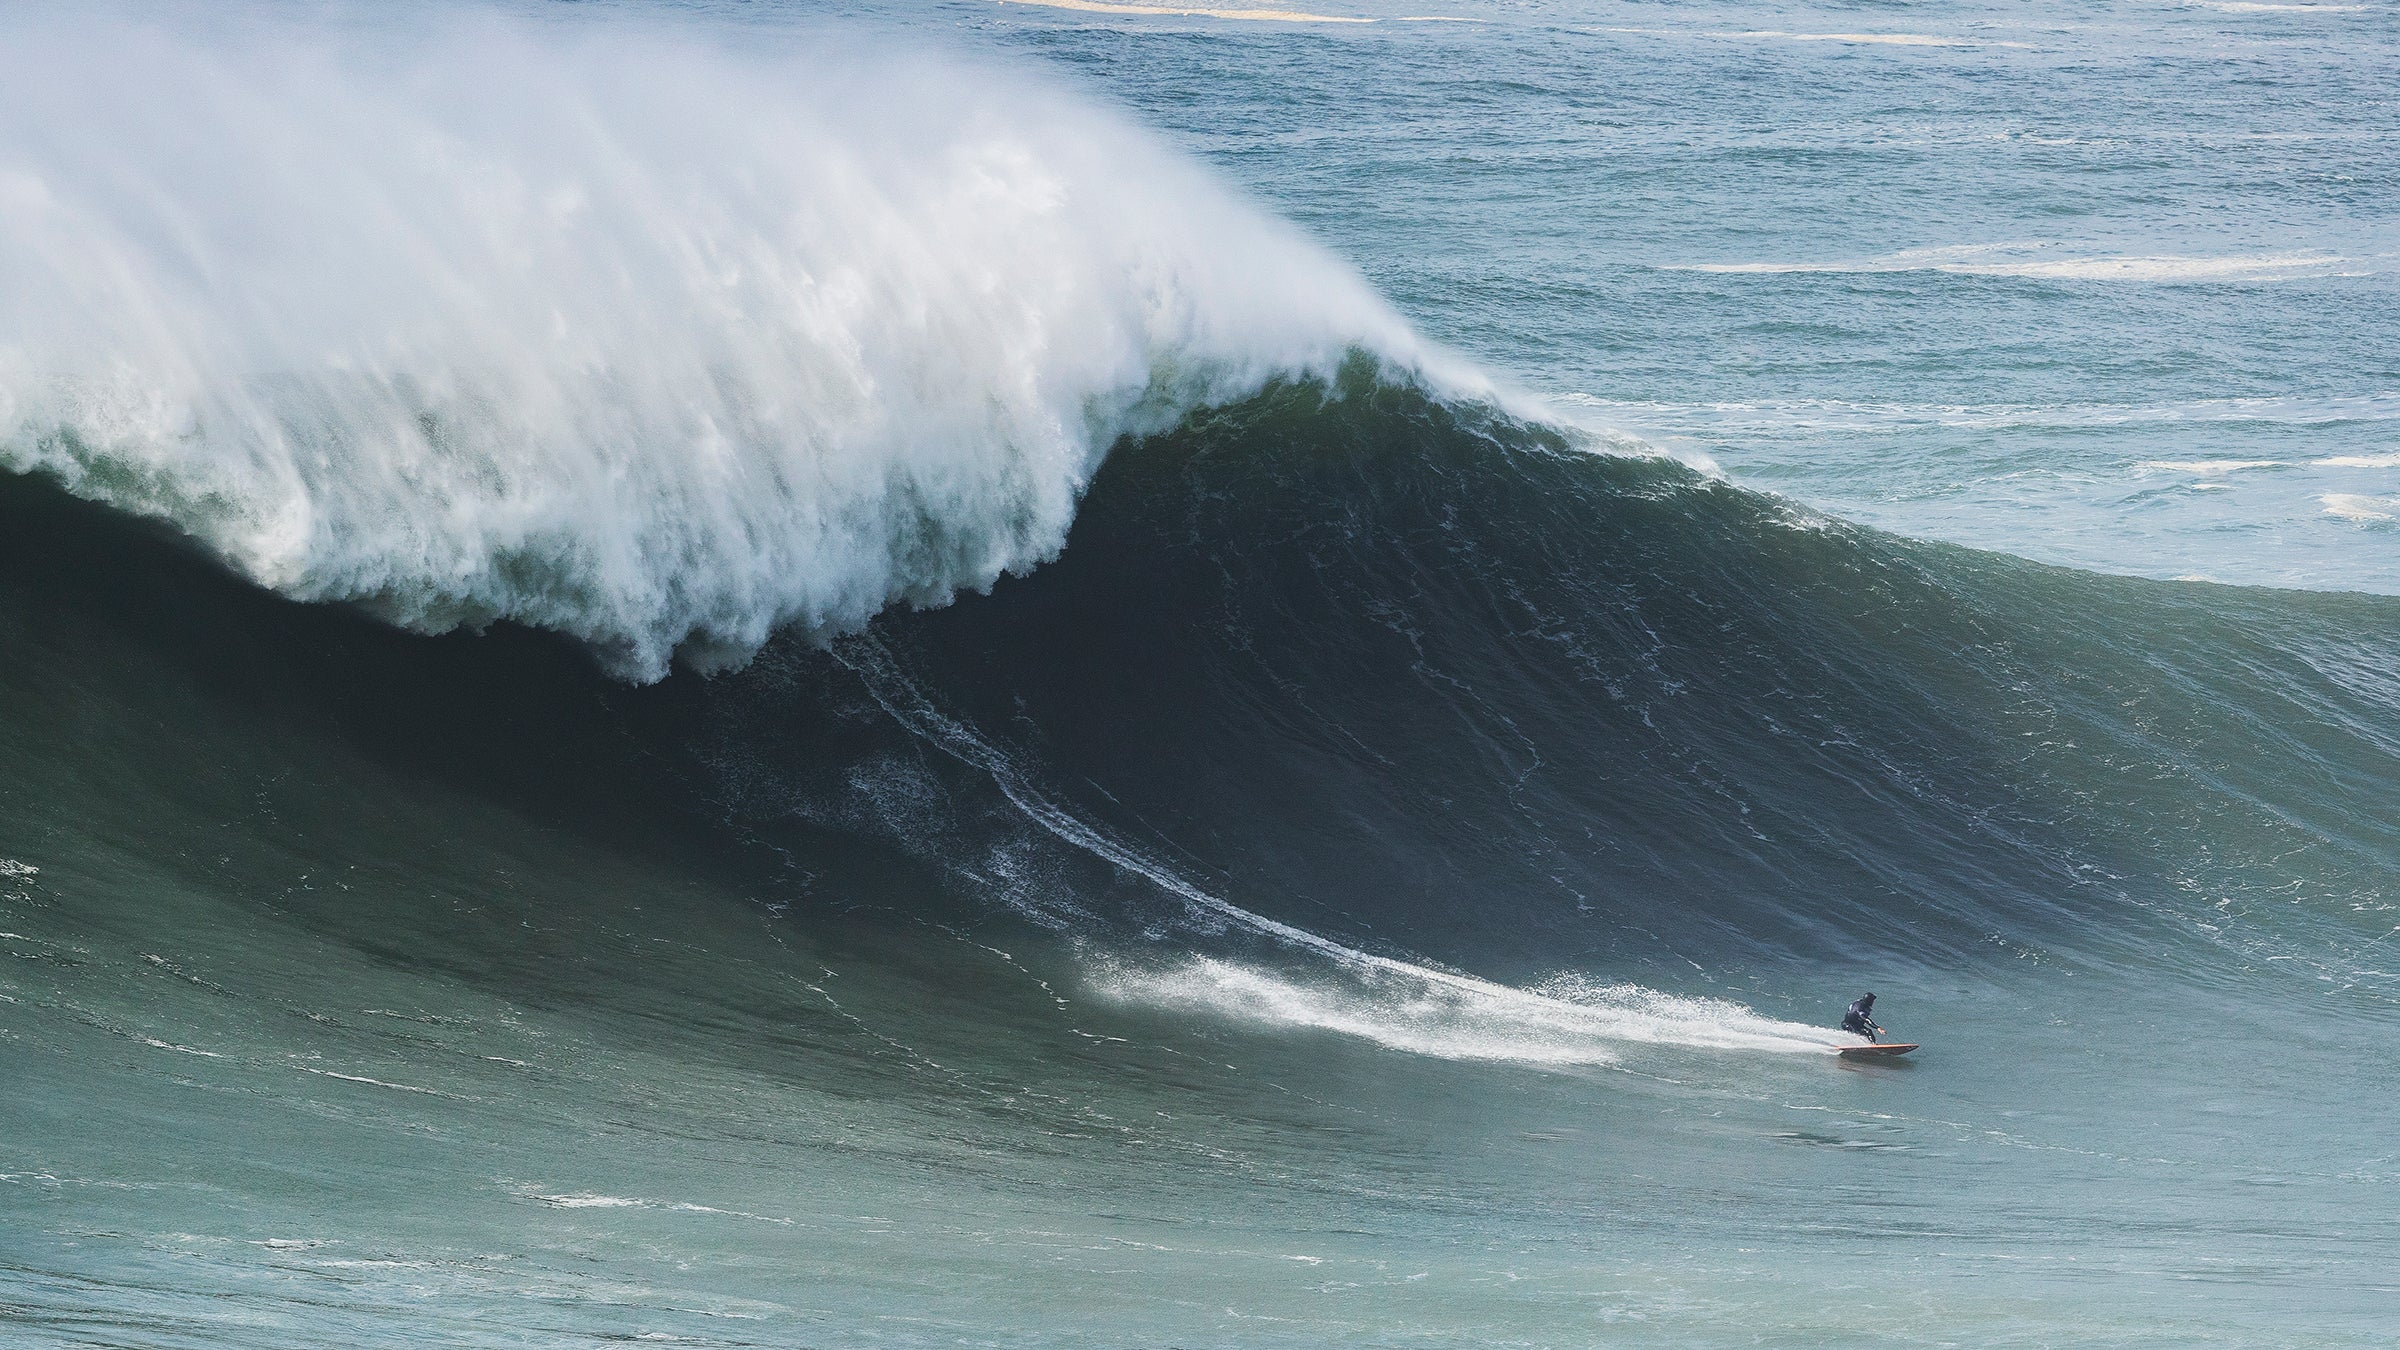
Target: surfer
1858	1022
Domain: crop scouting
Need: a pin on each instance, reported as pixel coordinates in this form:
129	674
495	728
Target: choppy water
1330	837
2110	288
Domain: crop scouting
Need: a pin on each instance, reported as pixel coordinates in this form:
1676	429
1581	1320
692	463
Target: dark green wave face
1391	878
1408	675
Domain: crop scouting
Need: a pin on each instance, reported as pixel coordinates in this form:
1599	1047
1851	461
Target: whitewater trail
1402	1005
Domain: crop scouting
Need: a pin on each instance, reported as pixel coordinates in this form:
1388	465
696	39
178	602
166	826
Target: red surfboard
1874	1051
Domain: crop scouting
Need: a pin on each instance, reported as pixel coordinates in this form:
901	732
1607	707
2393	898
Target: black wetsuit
1857	1022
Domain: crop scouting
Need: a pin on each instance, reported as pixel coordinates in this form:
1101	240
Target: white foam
1239	13
589	1201
10	867
157	1044
2360	508
2207	468
1260	15
603	329
2357	462
1565	1021
1819	415
1852	39
1870	39
370	1082
2034	262
593	1200
2165	267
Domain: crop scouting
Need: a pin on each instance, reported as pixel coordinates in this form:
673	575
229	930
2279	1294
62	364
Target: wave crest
648	342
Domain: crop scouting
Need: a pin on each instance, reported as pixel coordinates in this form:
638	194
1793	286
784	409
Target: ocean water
1106	675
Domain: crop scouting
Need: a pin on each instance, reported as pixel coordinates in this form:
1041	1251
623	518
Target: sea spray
609	331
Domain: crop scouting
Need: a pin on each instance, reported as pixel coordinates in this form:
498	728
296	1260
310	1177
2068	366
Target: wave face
630	337
1400	671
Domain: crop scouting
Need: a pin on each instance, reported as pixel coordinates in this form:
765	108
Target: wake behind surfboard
1874	1051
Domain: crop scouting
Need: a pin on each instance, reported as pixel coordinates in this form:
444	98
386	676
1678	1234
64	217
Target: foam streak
1396	1003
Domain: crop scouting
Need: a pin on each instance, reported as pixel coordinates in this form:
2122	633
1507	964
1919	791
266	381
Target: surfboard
1874	1051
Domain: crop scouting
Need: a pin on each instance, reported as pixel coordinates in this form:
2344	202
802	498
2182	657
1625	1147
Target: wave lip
655	344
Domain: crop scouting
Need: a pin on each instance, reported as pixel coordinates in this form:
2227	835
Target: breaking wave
650	342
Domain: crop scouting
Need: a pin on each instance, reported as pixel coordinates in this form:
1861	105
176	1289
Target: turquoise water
1012	675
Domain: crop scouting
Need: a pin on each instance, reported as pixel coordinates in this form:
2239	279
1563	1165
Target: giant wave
1345	862
668	348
